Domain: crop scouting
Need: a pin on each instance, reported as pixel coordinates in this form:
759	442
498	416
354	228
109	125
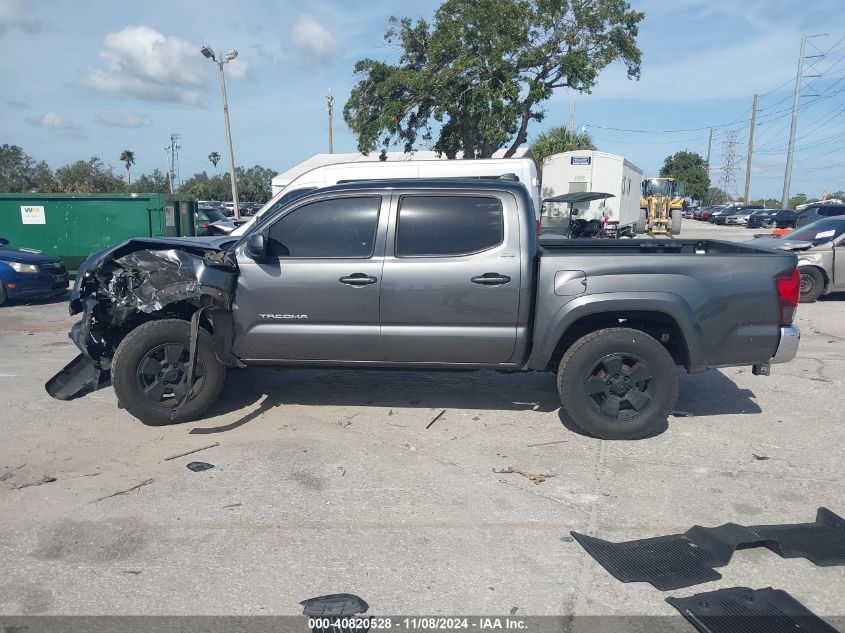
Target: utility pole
750	148
572	117
787	177
174	148
167	157
709	147
330	110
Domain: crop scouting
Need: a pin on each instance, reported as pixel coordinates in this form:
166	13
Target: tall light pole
208	52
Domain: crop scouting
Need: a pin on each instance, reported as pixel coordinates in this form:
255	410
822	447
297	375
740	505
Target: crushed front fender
121	287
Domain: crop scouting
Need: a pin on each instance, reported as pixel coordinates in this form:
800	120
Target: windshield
273	205
818	232
658	187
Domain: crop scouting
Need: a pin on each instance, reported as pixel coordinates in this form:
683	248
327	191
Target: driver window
335	228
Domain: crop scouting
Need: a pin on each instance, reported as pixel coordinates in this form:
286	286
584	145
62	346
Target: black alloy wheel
162	374
619	387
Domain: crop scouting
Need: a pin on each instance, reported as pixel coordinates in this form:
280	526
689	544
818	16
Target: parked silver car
820	247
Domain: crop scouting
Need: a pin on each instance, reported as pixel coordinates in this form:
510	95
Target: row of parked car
757	217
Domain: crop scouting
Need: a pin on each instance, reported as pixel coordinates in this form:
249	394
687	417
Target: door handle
491	279
358	279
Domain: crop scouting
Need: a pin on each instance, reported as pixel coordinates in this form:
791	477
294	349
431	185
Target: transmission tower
727	177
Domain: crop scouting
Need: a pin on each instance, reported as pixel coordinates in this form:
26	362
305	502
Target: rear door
315	296
451	281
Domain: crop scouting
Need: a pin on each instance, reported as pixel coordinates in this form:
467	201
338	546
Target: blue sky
91	78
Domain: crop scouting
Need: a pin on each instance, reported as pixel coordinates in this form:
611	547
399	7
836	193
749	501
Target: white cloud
140	62
121	119
310	39
51	120
13	14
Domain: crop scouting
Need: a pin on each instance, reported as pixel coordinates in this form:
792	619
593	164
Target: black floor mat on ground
682	560
743	610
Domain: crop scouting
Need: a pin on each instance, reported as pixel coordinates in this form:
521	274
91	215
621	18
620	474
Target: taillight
205	226
789	292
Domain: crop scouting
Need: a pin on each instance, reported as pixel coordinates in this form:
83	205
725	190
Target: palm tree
127	157
557	140
214	157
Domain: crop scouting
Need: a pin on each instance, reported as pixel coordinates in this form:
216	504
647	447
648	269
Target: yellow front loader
661	206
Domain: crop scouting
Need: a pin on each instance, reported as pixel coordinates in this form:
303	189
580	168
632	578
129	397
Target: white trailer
589	170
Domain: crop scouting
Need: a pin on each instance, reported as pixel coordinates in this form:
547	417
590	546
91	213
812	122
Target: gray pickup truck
439	274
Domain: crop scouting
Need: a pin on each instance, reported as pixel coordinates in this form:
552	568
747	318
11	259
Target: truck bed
719	297
563	246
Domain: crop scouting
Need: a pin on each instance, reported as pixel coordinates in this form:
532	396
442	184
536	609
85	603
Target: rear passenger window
448	226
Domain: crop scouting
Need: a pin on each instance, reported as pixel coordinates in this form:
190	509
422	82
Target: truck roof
428	183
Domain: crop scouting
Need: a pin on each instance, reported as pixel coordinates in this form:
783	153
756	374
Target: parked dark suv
772	219
819	212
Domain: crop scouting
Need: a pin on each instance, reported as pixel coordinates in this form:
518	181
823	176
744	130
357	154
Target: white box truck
589	170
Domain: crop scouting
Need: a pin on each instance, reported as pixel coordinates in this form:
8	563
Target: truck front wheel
617	384
150	371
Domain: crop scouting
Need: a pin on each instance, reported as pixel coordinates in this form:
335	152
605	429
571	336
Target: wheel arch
666	317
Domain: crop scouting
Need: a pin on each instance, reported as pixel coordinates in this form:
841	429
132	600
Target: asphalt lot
332	481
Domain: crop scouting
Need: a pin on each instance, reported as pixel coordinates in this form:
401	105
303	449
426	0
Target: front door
452	278
315	296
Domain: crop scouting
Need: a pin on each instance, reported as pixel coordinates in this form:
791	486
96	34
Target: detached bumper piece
749	611
683	560
337	613
79	377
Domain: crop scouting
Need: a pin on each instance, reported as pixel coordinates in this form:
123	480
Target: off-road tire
134	348
812	284
640	224
576	368
677	218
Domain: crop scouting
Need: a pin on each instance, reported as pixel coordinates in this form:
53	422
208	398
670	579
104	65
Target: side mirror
256	247
4	241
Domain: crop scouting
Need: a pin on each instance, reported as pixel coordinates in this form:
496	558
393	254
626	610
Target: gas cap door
570	282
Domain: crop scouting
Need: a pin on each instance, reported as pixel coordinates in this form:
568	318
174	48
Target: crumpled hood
9	254
190	244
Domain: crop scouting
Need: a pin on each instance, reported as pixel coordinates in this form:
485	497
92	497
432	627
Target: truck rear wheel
617	384
149	372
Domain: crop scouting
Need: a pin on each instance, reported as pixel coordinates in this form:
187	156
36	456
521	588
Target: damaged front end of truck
121	287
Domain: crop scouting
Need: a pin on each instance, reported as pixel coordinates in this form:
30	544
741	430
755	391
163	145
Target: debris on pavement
196	450
760	458
7	475
232	505
682	414
546	443
46	479
537	478
198	467
436	417
337	605
146	482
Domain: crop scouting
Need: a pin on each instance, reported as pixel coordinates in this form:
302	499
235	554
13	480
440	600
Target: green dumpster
72	226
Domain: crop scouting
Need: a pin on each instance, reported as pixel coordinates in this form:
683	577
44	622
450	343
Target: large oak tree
478	74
